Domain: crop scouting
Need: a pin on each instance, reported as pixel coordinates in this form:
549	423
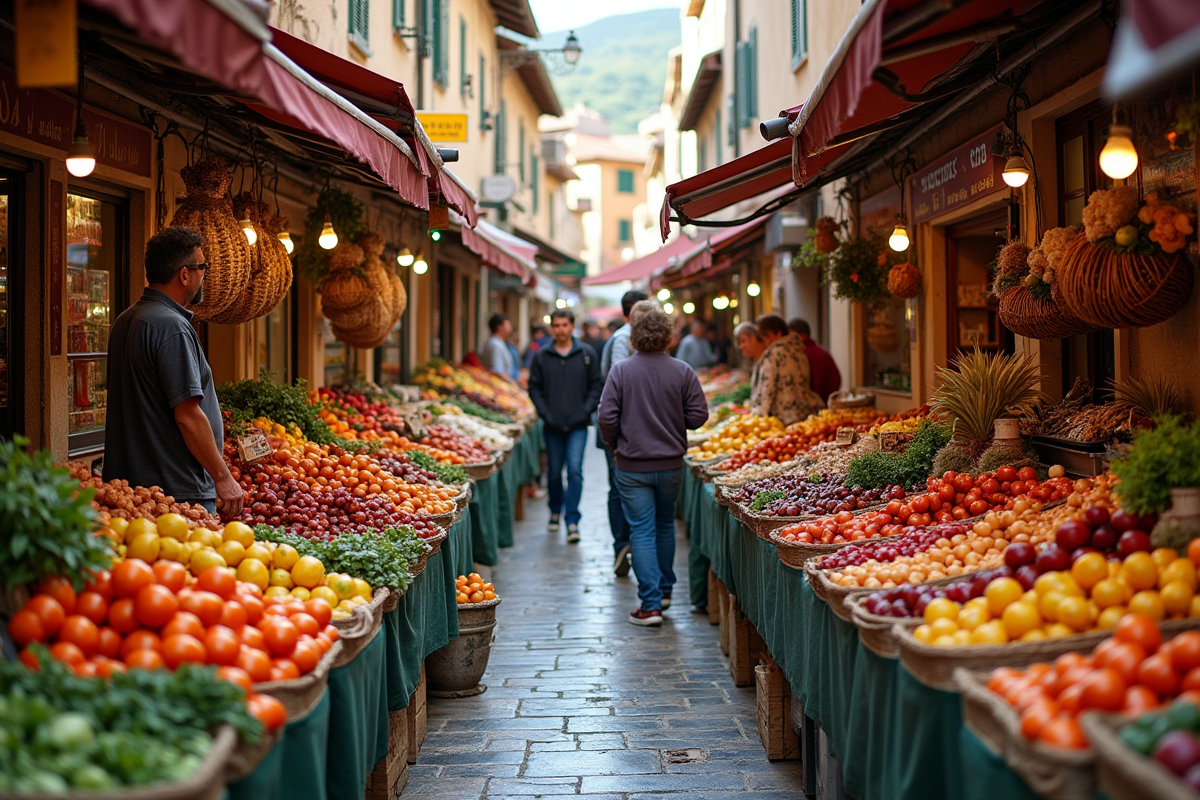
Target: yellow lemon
961	638
361	588
1140	570
1048	604
251	570
284	557
259	552
1109	617
1164	556
343	586
1089	569
275	591
943	626
1177	597
1057	630
308	572
941	608
198	535
1148	602
139	526
232	552
1074	613
1180	570
1020	618
173	550
301	592
923	634
1110	592
326	594
172	526
144	546
281	577
118	525
203	559
971	618
1035	635
238	532
990	633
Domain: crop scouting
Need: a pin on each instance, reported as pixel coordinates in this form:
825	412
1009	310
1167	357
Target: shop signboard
48	118
444	127
958	178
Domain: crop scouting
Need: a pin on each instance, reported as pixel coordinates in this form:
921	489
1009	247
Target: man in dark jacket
565	385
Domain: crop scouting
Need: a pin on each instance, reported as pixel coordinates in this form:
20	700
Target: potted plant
859	269
1161	472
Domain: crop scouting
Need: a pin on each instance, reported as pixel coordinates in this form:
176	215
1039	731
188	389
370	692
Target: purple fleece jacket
650	402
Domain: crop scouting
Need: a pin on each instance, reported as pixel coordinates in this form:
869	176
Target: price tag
253	446
846	436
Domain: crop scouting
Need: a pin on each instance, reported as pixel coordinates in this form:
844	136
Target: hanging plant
858	269
825	239
346	212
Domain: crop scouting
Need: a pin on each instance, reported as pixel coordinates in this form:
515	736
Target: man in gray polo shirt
164	424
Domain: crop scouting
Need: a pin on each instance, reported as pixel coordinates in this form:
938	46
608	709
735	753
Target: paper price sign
845	436
254	446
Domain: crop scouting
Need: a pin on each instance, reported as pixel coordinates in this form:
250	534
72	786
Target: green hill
624	65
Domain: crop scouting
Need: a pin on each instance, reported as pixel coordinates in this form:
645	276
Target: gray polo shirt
155	362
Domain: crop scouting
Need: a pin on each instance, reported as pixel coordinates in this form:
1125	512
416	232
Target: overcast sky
557	15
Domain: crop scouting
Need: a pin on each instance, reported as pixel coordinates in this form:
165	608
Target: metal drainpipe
737	38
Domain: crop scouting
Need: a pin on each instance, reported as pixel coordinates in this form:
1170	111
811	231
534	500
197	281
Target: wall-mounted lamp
557	62
1016	170
899	241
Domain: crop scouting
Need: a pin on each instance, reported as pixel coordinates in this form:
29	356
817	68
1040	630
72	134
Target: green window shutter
501	137
703	155
533	162
799	31
521	149
625	230
360	23
428	9
482	93
462	57
398	14
625	181
444	41
742	84
730	128
550	212
752	58
440	40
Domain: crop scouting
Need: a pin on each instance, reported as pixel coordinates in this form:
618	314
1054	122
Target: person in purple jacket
650	401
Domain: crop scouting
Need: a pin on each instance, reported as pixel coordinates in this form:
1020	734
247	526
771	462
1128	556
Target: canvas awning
500	250
642	268
1154	41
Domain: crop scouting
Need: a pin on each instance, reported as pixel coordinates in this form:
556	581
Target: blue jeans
648	499
565	450
616	515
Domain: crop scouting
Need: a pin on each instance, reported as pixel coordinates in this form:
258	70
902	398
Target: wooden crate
745	645
390	775
714	598
418	719
774	698
726	617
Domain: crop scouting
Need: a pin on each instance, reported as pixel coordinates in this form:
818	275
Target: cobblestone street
580	702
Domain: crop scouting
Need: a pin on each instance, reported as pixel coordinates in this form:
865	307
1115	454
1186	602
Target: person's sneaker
666	600
572	534
641	616
624	561
553	526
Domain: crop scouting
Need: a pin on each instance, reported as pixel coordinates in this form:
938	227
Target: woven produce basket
208	210
797	554
839	400
245	759
365	326
263	266
392	601
274	225
447	520
1107	289
463	498
1123	773
834	596
434	544
1037	318
342	289
301	695
482	470
875	632
724	497
1051	772
360	628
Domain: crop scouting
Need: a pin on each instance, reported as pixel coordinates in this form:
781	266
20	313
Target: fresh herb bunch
285	404
1161	458
475	410
858	269
910	468
47	525
446	473
1011	280
737	395
763	499
61	731
381	558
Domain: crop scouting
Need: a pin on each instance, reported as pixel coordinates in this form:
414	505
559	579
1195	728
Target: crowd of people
636	381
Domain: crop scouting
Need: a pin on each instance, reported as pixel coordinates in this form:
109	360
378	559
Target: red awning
1154	40
642	268
500	250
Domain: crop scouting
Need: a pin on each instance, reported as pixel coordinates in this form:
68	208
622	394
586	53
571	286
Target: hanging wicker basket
1038	318
904	280
209	210
1107	289
282	282
260	287
344	287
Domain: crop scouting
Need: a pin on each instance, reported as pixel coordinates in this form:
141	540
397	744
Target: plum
1122	520
1072	535
1134	541
1178	751
1096	516
1018	554
1052	558
1026	576
1103	538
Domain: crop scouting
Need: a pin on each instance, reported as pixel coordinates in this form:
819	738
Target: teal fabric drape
358	722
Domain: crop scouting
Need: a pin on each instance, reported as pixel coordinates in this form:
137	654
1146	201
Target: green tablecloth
424	620
485	522
358	722
295	767
460	545
895	738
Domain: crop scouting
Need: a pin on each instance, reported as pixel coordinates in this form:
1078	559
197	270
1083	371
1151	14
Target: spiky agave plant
1154	397
980	388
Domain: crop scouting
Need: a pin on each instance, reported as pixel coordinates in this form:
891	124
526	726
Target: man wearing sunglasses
164	424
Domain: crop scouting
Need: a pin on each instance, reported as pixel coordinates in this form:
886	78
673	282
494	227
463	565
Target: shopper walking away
591	335
616	350
823	372
496	356
650	401
564	385
780	385
164	424
695	350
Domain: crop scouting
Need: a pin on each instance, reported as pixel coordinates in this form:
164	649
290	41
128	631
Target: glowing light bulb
328	238
754	290
405	258
546	318
669	308
664	294
560	303
436	236
898	241
80	158
248	229
1016	171
689	307
420	266
288	244
732	302
720	302
1119	157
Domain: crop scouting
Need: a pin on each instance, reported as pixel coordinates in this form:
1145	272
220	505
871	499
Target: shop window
389	358
439	16
1090	356
96	266
799	32
337	358
888	355
275	338
10	324
359	15
625	181
972	314
625	230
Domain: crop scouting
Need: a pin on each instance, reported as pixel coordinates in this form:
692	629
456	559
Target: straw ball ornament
904	280
252	302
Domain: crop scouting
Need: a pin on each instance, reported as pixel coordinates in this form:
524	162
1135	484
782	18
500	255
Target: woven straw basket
344	287
245	759
1051	772
1107	289
357	632
300	696
1037	318
433	544
875	632
482	470
270	267
1124	774
208	209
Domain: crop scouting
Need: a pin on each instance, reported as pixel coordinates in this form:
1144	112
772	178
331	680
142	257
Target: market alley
581	702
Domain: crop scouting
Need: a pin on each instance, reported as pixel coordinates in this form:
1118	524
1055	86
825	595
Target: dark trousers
616	515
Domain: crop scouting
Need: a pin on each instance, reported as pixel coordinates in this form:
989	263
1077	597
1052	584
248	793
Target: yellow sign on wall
444	127
46	43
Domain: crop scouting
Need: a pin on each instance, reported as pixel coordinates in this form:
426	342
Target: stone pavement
580	702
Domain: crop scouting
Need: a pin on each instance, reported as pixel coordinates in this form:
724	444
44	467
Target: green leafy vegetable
47	525
1161	458
476	410
738	395
907	469
381	558
765	498
446	473
283	404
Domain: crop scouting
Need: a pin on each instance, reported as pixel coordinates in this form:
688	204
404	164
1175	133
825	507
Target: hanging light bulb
420	266
689	307
405	258
288	244
664	294
720	302
248	229
560	303
546	318
436	236
898	241
754	290
733	302
669	308
328	238
1016	170
1119	157
80	158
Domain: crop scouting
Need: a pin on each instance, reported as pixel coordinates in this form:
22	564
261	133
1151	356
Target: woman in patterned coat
781	386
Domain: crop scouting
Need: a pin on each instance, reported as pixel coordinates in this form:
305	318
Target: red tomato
233	615
140	640
305	623
1103	689
267	710
181	648
321	611
109	643
1185	651
1157	674
184	622
109	667
93	606
50	611
170	574
284	669
256	663
222	646
66	652
1139	629
122	615
253	637
254	607
217	580
101	584
155	605
306	655
26	627
1027	474
144	659
1124	657
1006	474
280	635
1139	699
61	590
81	632
237	676
1064	731
205	605
130	576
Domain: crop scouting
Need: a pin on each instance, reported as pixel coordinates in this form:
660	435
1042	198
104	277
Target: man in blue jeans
564	385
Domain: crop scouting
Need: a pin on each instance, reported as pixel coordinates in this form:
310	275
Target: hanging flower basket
904	281
859	268
1036	317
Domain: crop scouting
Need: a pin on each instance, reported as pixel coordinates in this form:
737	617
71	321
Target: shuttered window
625	181
799	31
625	230
440	39
483	120
501	140
398	15
462	57
359	15
746	77
521	149
534	183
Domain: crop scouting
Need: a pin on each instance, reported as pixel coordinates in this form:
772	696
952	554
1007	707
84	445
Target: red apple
1133	541
1072	535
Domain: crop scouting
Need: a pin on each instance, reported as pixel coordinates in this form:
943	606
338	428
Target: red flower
854	277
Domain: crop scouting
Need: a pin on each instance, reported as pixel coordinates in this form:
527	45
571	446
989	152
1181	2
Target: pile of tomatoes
1132	672
777	450
157	616
444	438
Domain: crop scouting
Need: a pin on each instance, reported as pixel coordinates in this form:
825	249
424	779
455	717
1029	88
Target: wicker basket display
245	759
481	470
1107	289
344	288
281	282
270	267
1038	318
832	594
434	544
1051	772
878	634
209	210
1125	774
301	695
360	628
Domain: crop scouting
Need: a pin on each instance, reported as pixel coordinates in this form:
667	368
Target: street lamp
571	50
561	61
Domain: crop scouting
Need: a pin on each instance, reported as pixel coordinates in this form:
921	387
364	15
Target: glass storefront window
95	260
7	322
388	359
889	357
337	358
274	339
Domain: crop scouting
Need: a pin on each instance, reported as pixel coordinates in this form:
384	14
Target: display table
491	506
895	738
